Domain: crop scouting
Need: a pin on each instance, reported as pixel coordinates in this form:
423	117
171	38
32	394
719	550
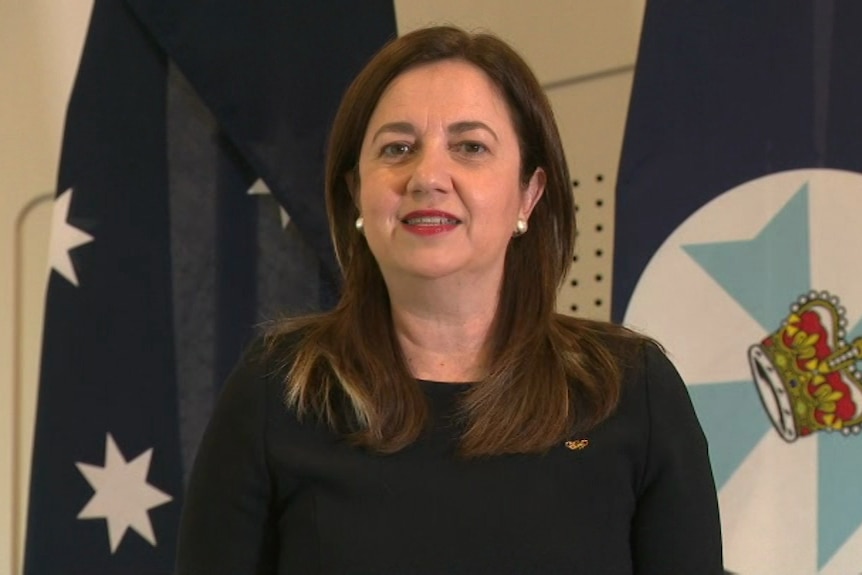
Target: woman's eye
471	148
395	150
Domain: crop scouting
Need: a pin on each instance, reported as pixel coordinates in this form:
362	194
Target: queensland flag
737	245
189	208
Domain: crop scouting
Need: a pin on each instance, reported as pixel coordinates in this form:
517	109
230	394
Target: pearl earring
360	225
520	227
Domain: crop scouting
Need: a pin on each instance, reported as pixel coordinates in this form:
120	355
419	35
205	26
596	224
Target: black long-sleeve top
272	495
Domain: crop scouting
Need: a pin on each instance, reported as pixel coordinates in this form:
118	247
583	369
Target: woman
443	418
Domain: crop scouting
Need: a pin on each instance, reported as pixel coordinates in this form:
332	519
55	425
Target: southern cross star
122	495
64	238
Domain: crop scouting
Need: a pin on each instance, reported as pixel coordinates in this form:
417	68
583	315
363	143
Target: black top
270	495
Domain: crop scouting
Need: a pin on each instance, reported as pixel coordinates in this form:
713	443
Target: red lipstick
429	222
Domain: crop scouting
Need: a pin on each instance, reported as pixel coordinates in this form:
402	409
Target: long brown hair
547	375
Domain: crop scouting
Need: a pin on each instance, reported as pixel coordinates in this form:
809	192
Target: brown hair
548	375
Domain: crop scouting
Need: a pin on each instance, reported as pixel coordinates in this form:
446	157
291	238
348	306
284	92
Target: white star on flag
64	238
259	188
122	495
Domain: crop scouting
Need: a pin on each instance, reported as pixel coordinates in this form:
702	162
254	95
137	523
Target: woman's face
439	176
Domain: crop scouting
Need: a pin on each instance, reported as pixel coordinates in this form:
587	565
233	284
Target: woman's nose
431	171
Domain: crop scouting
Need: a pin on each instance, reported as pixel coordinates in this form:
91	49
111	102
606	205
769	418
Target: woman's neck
443	335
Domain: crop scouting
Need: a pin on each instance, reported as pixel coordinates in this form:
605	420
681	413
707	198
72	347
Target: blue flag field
737	246
189	209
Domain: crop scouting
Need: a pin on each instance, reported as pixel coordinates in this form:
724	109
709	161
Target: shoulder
658	377
638	356
605	342
650	387
650	379
275	348
281	339
263	368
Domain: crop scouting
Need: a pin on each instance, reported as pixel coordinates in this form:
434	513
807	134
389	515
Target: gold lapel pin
577	444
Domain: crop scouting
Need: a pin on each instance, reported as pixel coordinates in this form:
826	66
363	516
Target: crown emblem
806	371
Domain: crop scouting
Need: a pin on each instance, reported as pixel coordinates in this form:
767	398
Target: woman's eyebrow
457	128
405	128
470	125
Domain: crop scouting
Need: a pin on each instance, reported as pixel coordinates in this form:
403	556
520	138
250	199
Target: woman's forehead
452	91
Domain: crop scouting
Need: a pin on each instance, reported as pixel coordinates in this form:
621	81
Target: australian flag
736	245
189	208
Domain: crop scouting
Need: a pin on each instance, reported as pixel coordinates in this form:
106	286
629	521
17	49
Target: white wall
582	50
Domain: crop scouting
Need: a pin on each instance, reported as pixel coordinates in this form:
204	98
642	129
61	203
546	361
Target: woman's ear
533	192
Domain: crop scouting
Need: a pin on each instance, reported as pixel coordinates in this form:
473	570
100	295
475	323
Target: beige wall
40	42
582	50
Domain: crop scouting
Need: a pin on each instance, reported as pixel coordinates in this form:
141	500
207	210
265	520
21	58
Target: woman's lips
429	222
